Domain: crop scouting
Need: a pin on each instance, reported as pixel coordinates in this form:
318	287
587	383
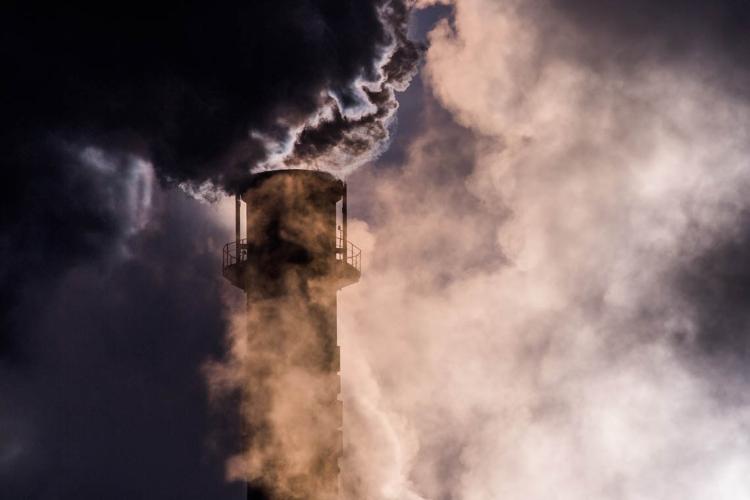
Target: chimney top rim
319	177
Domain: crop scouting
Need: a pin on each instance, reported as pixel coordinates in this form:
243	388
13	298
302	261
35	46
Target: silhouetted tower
291	264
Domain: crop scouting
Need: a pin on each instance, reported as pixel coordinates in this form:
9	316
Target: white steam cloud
517	331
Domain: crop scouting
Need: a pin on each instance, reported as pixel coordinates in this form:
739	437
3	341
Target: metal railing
230	256
350	254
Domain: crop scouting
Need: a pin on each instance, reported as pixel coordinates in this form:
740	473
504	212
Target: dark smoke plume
202	92
205	93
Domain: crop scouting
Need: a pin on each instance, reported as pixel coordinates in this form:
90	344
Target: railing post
237	206
344	242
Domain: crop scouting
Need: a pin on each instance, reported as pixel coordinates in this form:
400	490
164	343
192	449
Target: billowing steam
541	315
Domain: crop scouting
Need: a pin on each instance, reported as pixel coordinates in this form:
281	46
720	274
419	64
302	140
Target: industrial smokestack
290	266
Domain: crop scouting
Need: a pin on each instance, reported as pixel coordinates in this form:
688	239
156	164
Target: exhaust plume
211	94
545	312
205	95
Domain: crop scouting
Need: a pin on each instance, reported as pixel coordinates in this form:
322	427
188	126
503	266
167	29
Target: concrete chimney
290	265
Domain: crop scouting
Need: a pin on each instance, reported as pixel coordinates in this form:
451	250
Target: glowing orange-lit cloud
519	331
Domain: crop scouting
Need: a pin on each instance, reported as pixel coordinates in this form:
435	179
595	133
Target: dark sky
102	394
106	319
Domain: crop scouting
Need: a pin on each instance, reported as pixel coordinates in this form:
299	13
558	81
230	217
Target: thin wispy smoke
521	330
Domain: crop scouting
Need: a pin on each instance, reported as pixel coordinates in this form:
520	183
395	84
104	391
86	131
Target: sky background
556	282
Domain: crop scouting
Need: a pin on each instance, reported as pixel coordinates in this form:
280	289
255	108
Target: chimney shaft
290	272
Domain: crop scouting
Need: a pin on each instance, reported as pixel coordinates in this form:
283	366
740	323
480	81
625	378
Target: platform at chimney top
291	262
346	268
295	219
